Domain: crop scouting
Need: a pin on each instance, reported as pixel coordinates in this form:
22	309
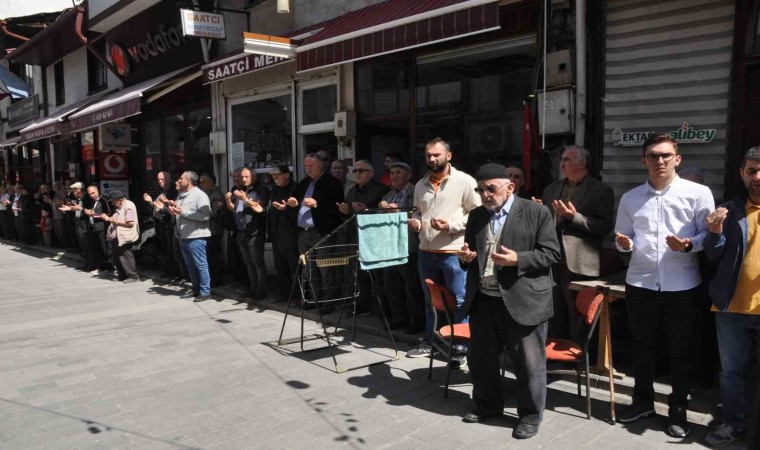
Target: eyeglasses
655	156
315	156
491	189
355	171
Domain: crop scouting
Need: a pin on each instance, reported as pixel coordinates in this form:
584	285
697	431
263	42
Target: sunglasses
355	171
491	189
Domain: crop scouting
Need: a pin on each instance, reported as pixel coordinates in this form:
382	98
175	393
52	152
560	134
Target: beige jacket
452	202
125	235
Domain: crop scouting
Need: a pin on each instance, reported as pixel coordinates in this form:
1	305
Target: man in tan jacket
123	231
444	198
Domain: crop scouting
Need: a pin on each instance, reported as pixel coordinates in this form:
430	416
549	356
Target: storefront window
262	134
319	104
474	100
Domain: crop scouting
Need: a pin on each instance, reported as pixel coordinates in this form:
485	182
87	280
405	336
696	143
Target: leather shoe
459	350
477	417
525	430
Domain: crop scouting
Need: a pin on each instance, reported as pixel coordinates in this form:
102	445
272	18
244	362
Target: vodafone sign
113	166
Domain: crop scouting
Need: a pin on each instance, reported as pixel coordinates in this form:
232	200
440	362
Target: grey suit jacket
527	288
583	235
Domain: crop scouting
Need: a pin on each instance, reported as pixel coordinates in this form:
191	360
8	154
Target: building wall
667	62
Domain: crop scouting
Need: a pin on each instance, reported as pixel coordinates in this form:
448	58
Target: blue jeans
442	268
735	335
194	254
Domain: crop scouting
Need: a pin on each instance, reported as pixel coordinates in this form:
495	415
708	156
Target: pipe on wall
580	72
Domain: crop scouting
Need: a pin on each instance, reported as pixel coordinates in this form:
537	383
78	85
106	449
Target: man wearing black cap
283	229
123	231
510	246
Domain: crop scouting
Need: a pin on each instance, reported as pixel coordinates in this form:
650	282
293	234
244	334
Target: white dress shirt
648	216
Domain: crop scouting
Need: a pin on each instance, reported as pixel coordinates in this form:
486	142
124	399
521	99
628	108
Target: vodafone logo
118	58
114	166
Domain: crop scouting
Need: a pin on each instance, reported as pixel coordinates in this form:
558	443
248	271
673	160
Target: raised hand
504	257
715	220
465	254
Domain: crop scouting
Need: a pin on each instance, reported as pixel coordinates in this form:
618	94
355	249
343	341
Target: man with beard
99	251
509	249
662	224
248	203
283	229
444	198
733	246
164	224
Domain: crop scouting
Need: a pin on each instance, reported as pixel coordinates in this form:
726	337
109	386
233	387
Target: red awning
393	26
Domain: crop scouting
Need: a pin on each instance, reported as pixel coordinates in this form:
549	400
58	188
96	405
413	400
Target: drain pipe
90	48
4	25
580	72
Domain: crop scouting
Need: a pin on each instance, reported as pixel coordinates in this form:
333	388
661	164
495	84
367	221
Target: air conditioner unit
488	136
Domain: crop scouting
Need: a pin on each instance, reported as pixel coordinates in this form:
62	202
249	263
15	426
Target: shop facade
668	70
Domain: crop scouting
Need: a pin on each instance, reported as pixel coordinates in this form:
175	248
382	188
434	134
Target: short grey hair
583	153
366	163
191	176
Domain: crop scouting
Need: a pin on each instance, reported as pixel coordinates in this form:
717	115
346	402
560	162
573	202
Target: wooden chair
444	339
590	302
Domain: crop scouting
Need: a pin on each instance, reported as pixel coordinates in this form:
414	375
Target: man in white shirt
662	223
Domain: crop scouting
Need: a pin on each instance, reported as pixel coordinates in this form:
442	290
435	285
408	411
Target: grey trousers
492	328
124	260
252	251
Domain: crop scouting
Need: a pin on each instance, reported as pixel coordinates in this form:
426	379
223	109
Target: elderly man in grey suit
510	247
583	208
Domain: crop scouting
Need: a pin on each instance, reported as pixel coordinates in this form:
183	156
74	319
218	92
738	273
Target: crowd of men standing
507	256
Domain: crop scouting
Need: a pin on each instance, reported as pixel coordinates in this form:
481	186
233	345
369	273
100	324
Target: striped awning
393	26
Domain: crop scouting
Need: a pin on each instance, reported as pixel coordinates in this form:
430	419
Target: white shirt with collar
648	216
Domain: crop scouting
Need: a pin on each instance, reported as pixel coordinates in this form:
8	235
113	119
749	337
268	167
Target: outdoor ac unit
345	123
218	142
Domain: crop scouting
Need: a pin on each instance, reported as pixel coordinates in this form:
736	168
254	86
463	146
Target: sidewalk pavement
90	363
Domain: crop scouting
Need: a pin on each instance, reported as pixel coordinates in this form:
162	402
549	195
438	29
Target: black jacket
282	225
328	192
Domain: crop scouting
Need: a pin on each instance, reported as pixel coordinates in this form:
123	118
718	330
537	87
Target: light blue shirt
648	216
305	219
499	217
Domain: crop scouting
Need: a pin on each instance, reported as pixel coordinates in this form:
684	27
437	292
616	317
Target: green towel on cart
383	239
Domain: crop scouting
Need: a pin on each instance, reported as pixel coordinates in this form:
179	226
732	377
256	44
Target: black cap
491	171
115	195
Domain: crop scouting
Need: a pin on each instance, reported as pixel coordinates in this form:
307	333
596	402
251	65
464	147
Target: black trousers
98	250
124	260
83	237
679	311
71	230
286	264
178	259
404	291
6	223
214	256
492	328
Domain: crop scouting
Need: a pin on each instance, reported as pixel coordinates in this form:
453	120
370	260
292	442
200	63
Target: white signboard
115	137
202	24
237	155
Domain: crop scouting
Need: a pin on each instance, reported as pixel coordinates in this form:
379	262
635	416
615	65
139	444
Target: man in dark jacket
282	227
316	201
158	208
249	206
366	193
510	246
733	246
100	253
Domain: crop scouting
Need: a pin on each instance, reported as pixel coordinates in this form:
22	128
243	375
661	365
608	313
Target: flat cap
401	165
115	195
77	185
279	169
491	171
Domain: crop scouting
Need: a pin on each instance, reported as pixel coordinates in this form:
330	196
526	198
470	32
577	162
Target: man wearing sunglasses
509	248
662	224
444	198
583	208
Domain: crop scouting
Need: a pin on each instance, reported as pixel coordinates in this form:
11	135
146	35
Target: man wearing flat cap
282	229
123	231
510	246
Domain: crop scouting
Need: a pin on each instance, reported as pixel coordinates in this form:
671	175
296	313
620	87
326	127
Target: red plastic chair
589	303
444	339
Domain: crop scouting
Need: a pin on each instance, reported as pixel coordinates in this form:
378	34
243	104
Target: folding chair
589	302
444	339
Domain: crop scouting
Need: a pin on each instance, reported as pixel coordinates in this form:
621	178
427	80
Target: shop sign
23	110
53	129
202	24
240	65
156	43
684	135
113	166
115	137
106	187
88	146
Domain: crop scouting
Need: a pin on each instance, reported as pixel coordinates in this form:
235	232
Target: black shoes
525	430
477	417
201	298
678	427
635	412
